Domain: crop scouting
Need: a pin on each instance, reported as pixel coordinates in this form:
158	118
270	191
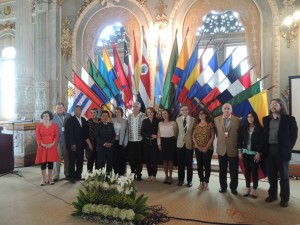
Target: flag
144	84
136	64
76	97
181	63
192	78
168	95
96	89
186	73
244	95
95	74
107	77
122	78
79	83
218	76
206	74
159	75
128	71
258	103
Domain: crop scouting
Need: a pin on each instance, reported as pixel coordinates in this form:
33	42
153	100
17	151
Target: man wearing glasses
280	135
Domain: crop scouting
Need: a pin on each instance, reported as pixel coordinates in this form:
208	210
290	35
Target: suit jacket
256	139
76	134
104	133
287	135
227	145
185	138
123	139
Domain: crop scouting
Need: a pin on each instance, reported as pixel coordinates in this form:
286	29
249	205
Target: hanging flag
186	73
76	97
136	64
79	83
96	89
234	89
159	75
128	71
107	74
206	74
219	75
145	85
192	78
167	100
244	95
127	98
258	103
95	74
182	61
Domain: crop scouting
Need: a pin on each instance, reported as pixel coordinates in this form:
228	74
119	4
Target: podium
6	153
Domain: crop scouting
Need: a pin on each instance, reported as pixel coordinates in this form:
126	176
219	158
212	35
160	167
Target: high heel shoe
201	186
43	183
205	186
254	193
248	190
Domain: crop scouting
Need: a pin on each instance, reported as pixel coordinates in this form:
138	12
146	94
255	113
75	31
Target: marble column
41	68
24	82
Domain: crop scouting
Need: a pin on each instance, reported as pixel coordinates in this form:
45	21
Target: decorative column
24	82
40	58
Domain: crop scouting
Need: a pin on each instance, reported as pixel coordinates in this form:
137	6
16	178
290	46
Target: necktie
184	125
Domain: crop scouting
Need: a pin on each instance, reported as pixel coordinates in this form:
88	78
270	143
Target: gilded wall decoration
109	3
7	11
66	40
83	6
7	26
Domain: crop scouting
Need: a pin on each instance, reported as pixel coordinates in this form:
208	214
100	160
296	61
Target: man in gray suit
60	118
227	126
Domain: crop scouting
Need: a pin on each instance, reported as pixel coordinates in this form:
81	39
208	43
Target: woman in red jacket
47	137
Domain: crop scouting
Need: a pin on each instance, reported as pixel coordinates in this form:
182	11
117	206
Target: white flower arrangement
110	198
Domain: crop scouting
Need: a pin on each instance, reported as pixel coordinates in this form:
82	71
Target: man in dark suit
105	137
77	135
280	135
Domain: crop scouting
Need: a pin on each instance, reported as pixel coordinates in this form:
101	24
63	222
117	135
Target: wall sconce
289	27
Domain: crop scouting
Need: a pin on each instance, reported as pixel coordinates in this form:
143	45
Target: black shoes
270	199
222	190
234	192
180	183
284	204
55	179
189	184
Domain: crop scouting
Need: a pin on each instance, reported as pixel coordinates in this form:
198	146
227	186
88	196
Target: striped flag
127	98
144	84
76	97
167	100
218	76
206	74
136	64
159	75
128	70
181	63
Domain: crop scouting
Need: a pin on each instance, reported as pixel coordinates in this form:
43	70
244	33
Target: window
239	54
7	81
207	55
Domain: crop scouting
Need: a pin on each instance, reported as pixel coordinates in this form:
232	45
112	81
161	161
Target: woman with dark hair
250	143
47	153
121	141
149	134
167	133
203	137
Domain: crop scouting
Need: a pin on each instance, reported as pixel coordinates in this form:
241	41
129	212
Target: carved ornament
66	40
7	26
83	6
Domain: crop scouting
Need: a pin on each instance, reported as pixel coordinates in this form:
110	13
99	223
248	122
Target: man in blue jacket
280	135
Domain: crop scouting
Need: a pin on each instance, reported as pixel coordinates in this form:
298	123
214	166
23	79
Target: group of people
148	136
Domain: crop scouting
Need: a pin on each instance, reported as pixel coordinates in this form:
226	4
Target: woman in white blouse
167	133
121	130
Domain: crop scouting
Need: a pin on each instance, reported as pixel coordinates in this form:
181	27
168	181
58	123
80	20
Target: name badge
226	134
62	129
